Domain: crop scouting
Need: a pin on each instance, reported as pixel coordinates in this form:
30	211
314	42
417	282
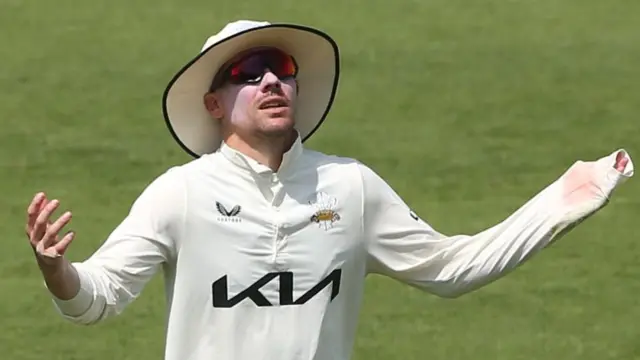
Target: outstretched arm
404	247
104	284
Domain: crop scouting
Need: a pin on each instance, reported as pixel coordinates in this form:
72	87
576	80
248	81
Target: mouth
273	103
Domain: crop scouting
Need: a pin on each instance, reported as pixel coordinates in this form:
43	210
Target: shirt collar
245	162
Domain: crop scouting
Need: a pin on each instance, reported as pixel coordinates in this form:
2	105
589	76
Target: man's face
256	103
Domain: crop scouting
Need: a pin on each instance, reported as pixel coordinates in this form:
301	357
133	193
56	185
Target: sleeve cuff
615	177
81	303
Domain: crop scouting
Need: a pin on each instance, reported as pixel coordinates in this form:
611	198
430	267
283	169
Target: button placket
280	244
279	222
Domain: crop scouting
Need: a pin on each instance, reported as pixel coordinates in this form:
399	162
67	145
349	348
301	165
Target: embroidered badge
228	215
326	215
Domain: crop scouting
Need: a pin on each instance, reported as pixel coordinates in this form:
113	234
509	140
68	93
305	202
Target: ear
214	104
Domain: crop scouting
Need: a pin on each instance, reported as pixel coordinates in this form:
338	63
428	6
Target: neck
266	151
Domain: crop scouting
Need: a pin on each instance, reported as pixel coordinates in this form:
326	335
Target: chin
279	125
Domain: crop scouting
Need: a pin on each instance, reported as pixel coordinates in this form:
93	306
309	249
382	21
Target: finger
61	247
621	161
44	203
42	219
52	231
49	252
33	210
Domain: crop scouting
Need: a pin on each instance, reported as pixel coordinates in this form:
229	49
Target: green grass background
466	108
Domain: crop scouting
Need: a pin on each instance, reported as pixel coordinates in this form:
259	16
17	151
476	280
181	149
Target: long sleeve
405	247
117	272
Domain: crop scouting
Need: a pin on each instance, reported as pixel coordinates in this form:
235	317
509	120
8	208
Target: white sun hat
315	52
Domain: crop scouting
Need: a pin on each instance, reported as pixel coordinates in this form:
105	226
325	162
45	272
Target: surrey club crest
325	215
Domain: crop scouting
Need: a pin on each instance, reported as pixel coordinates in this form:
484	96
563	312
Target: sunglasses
251	68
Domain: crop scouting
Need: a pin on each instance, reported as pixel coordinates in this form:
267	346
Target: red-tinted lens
253	66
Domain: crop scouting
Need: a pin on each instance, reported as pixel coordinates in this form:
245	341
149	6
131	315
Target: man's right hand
43	234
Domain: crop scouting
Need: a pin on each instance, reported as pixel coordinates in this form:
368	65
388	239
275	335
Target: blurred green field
466	108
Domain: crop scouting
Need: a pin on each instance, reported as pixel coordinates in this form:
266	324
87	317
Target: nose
270	81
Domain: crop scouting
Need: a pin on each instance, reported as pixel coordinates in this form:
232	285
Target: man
265	245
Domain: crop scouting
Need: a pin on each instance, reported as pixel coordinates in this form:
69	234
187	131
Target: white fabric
184	223
318	61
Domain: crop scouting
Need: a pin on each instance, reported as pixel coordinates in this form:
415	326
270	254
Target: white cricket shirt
264	266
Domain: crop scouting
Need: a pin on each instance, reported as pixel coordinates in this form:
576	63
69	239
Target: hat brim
317	56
